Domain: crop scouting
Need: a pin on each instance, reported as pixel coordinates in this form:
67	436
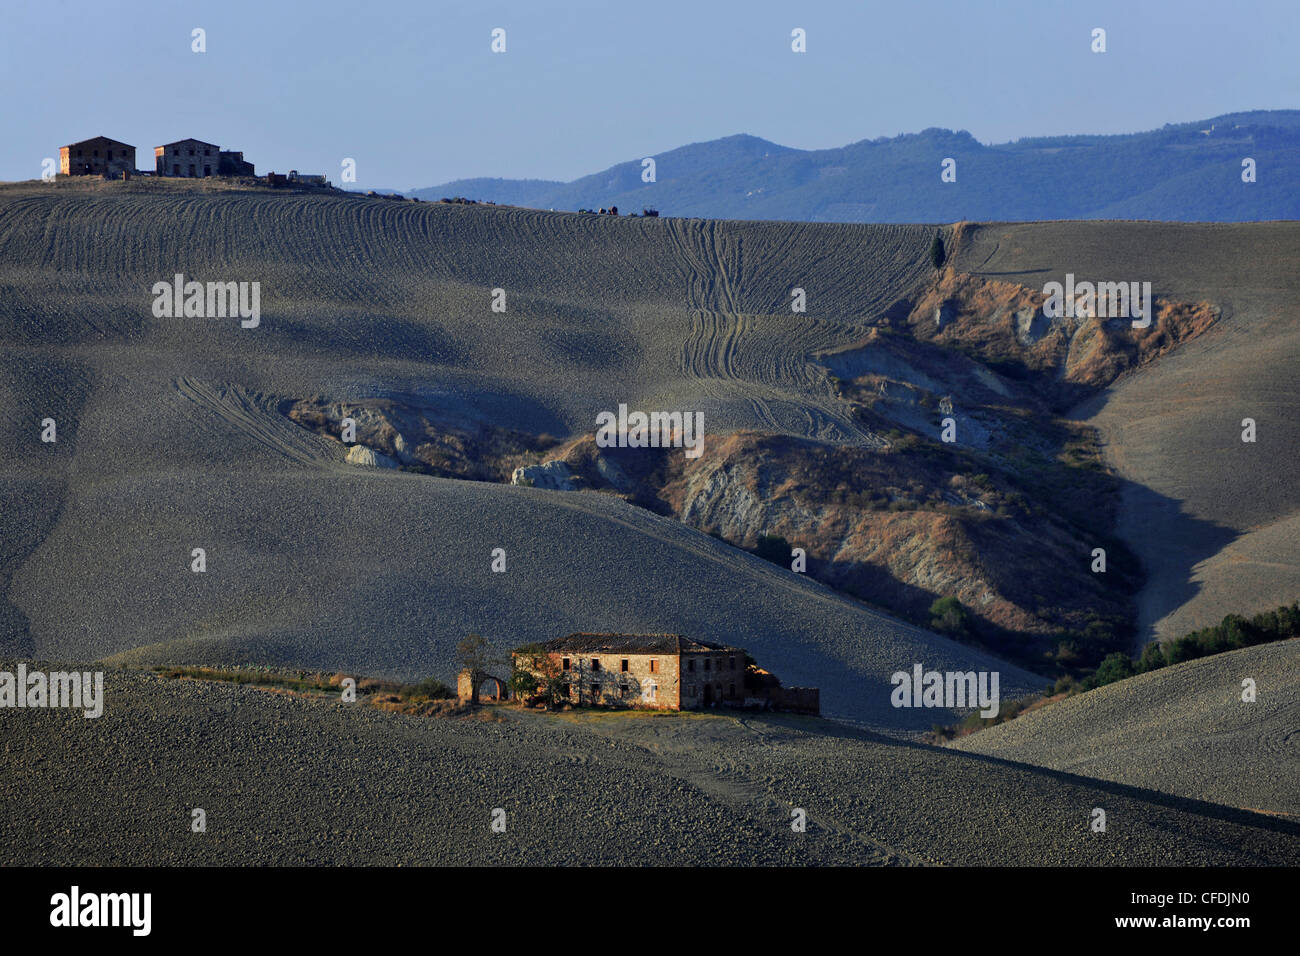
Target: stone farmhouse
98	156
193	158
188	158
661	671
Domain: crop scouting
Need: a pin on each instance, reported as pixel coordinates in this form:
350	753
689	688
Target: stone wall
797	700
598	679
638	686
490	687
712	677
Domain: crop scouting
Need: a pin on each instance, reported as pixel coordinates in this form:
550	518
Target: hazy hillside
698	161
1183	172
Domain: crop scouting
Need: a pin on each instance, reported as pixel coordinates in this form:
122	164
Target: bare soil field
289	780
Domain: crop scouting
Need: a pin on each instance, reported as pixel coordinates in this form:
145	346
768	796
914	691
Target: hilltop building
98	156
189	158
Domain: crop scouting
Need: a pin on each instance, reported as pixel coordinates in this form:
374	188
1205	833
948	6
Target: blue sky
411	90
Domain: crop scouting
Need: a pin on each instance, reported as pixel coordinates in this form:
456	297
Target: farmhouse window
707	662
623	665
690	664
566	664
654	666
733	662
595	663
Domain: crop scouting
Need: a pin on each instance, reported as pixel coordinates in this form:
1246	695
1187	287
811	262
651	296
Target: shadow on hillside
34	506
1205	808
1170	544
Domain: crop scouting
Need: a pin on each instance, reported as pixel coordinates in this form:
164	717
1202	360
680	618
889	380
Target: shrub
936	251
1065	685
1233	632
1116	666
773	548
1153	658
430	687
524	684
949	616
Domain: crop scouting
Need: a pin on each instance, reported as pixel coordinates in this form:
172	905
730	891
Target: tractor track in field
762	361
255	417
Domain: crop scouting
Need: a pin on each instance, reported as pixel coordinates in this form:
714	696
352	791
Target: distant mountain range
1183	172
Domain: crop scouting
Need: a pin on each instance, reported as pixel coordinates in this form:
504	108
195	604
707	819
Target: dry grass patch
427	698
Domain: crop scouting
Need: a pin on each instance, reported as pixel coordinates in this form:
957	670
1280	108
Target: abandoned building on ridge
97	156
191	158
664	671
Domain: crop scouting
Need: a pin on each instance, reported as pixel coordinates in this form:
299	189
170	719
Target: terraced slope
285	780
171	433
1182	730
1213	519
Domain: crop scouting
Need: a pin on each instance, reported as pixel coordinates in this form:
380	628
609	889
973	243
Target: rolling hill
1181	730
173	434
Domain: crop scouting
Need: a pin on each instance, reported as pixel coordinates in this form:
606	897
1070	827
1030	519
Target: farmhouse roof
190	140
633	644
98	139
